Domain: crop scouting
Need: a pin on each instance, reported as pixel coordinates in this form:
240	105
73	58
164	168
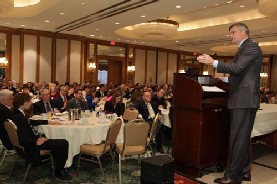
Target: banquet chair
130	114
153	131
11	129
4	153
99	150
135	141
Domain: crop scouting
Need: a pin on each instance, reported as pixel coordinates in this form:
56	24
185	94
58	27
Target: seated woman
32	143
115	105
91	100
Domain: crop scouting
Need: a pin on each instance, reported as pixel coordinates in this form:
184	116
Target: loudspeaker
157	170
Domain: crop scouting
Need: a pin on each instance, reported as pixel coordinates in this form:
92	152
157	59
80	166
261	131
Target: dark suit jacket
71	104
244	76
118	109
141	106
26	137
98	94
59	103
5	113
39	108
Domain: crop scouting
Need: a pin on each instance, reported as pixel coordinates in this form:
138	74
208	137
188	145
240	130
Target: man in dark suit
243	101
45	104
77	102
101	92
148	110
33	143
6	102
61	101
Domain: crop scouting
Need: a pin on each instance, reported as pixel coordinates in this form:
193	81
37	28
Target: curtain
102	76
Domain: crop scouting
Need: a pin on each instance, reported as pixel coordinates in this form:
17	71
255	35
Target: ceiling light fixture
157	29
24	3
268	8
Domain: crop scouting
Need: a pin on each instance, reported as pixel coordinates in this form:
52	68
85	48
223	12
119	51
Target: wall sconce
205	73
263	75
131	68
3	61
182	71
91	66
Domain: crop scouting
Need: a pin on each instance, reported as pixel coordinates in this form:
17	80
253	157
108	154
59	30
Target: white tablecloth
76	135
266	120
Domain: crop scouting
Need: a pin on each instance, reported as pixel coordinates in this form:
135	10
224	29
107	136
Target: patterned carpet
89	173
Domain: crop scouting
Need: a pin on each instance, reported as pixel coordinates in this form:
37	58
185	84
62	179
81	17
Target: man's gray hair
4	93
241	27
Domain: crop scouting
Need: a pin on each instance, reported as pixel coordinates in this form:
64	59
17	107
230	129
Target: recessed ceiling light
100	36
97	29
80	33
35	27
206	13
22	25
62	13
229	2
142	42
216	4
241	6
7	23
83	3
178	6
204	7
117	23
92	35
118	39
176	41
47	21
142	16
263	31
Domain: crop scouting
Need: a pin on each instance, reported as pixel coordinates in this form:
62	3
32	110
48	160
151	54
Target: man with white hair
6	102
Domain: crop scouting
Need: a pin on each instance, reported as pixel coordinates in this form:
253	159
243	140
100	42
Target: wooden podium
200	126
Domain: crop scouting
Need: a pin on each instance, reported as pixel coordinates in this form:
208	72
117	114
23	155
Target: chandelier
268	8
24	3
3	61
157	29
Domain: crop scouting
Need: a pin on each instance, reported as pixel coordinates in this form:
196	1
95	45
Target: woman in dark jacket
115	105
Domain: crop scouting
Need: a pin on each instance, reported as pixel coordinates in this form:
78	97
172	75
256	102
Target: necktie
150	110
48	108
64	99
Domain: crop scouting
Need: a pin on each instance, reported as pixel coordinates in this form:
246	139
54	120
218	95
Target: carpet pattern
89	173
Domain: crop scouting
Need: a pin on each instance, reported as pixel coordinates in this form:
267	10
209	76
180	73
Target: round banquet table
92	132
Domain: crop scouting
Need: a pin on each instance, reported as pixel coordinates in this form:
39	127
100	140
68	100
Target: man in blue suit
243	100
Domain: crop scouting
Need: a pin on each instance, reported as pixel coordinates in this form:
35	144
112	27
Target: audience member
6	103
115	105
33	143
45	104
77	102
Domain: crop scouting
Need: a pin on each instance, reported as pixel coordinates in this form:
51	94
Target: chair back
135	133
154	126
130	114
113	131
11	129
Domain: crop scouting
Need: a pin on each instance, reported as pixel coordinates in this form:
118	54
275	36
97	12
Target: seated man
61	101
77	102
44	105
33	143
6	102
148	111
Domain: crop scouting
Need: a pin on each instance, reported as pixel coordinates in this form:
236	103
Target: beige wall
140	66
151	67
30	58
75	61
162	67
15	57
273	83
61	60
172	66
45	59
